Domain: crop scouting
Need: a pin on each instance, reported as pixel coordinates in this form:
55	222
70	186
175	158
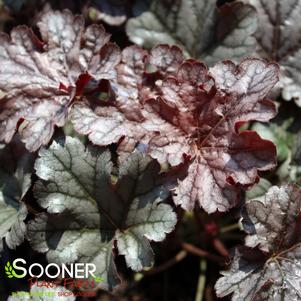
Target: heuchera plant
153	125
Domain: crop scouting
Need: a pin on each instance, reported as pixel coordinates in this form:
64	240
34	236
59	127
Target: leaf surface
278	23
209	33
181	110
16	166
258	189
279	135
41	79
272	270
88	212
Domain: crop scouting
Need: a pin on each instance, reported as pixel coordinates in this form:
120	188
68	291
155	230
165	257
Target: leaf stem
168	264
229	228
202	280
220	247
31	209
186	248
202	253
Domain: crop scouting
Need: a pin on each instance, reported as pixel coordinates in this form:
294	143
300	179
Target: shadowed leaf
87	212
272	270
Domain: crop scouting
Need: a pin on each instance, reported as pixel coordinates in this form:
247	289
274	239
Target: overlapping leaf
286	142
41	79
198	26
279	135
279	38
16	166
273	226
259	189
182	109
89	211
124	116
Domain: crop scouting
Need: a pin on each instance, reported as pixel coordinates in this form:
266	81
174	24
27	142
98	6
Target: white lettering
57	268
79	270
90	269
31	268
66	270
20	268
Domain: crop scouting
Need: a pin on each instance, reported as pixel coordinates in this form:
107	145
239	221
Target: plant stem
202	253
220	247
166	265
202	280
229	228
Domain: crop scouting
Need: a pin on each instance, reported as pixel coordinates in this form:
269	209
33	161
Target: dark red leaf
174	108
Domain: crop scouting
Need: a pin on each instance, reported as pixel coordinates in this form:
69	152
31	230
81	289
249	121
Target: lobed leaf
182	109
278	23
209	33
40	80
272	270
88	212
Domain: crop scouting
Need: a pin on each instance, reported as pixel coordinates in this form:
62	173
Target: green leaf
88	213
204	31
288	148
69	131
98	279
259	189
16	165
279	135
8	270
